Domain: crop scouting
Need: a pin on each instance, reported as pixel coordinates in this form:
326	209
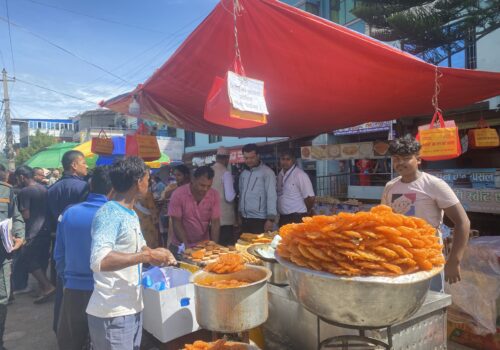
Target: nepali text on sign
246	94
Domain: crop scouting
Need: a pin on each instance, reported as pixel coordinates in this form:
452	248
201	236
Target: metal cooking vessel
359	301
235	309
279	276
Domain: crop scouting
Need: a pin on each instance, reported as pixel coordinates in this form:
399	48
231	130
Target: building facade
62	129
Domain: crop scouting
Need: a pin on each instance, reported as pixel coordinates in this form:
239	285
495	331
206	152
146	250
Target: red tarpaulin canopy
319	76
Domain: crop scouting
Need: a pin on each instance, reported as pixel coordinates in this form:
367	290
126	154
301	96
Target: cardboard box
170	313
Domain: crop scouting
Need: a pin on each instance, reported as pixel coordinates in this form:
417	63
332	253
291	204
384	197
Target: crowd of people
85	237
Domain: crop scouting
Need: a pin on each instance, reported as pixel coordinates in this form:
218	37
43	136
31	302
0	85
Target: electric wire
10	38
54	91
63	49
96	18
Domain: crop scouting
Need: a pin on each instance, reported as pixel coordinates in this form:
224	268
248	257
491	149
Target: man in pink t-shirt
195	210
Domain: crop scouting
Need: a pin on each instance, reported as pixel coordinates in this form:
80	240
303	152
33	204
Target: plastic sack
219	109
171	277
439	143
483	137
475	297
102	144
155	278
142	146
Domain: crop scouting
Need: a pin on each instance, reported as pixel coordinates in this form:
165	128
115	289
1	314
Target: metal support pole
9	142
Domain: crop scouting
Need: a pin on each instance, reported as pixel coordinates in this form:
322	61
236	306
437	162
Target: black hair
204	171
287	152
36	169
69	157
221	157
100	182
25	171
404	146
251	147
126	172
184	170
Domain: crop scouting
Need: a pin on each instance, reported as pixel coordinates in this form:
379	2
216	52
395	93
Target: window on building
214	138
52	126
57	126
32	125
76	126
311	6
189	139
39	125
171	132
335	11
342	10
44	125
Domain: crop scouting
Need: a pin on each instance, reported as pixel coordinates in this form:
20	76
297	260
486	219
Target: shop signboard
468	178
365	128
479	200
358	150
477	189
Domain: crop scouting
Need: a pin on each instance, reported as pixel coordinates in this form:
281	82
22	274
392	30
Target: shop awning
319	76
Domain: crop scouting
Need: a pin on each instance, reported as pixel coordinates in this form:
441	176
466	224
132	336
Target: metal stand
243	337
346	342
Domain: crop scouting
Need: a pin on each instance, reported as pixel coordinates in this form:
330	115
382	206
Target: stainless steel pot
235	309
279	276
359	301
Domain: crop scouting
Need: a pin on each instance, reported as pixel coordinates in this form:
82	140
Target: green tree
37	143
433	30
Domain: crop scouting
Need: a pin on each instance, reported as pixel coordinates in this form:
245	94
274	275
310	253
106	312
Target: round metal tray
359	301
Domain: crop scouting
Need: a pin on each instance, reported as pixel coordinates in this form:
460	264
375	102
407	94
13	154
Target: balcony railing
337	185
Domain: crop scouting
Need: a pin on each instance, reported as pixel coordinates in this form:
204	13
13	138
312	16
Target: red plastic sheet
319	76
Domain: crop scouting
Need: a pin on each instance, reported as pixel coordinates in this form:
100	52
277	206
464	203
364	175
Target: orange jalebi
227	264
220	344
375	243
224	284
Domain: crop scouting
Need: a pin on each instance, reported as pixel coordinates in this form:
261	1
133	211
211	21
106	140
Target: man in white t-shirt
295	191
415	193
117	254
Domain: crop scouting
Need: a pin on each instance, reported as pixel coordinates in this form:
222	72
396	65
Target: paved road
29	326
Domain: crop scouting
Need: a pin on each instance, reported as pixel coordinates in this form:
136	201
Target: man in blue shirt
70	189
72	257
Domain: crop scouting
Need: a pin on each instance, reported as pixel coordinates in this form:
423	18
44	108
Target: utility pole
8	124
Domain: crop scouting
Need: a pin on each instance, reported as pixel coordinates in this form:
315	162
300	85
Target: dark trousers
227	236
20	273
294	218
252	225
34	255
73	329
58	301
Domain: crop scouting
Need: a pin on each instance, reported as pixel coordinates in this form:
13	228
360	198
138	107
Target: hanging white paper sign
246	94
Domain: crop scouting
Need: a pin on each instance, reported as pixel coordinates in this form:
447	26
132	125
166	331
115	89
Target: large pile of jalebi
374	243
